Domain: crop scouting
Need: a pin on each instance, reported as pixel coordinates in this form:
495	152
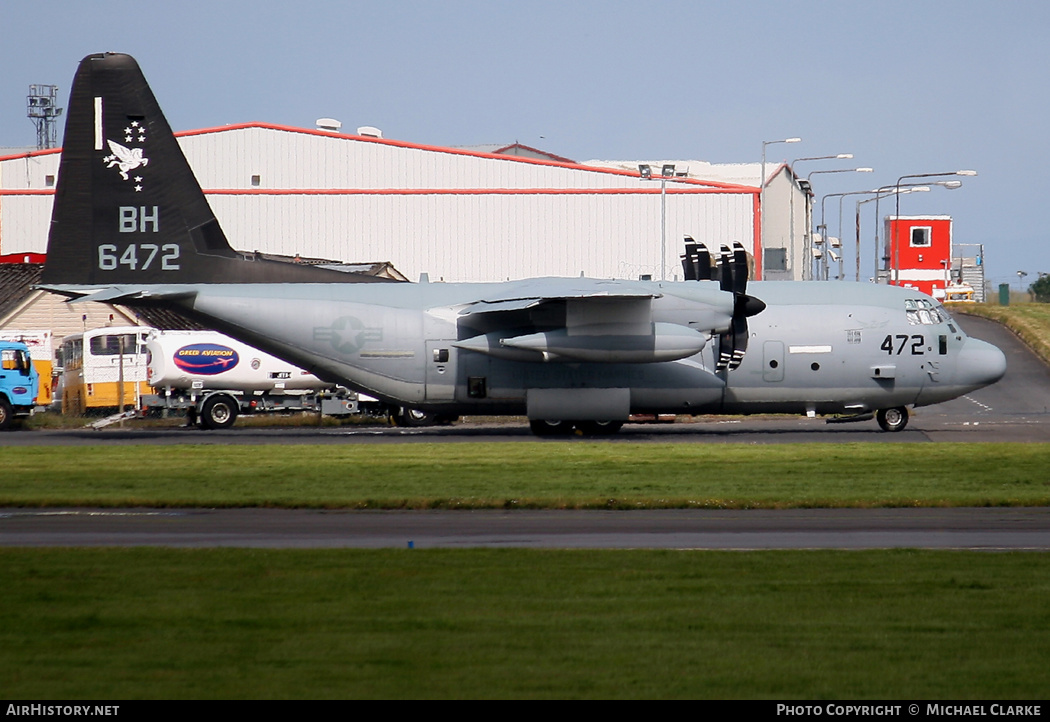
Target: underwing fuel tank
600	343
595	344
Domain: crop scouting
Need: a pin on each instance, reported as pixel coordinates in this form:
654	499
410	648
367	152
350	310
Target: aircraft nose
980	364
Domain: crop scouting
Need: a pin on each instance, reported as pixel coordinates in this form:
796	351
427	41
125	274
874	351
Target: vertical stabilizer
128	209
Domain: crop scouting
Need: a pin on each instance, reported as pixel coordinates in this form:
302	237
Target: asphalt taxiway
991	529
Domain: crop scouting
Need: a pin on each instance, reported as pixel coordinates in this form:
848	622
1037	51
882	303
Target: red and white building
919	252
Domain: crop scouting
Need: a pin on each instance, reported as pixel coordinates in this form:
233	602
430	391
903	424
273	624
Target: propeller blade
703	263
739	343
725	351
689	259
739	268
734	273
725	267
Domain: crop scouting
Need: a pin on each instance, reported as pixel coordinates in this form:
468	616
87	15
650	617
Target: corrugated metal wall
454	215
24	219
485	237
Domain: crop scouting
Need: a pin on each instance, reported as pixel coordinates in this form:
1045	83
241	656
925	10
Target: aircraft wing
583	297
587	323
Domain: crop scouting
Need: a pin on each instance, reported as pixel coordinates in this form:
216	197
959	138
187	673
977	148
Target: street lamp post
879	194
840	196
823	225
840	274
666	172
758	252
805	237
896	232
840	156
840	170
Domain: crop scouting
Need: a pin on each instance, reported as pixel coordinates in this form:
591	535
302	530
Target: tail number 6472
139	256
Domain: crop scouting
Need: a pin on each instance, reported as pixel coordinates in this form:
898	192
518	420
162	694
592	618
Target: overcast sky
906	86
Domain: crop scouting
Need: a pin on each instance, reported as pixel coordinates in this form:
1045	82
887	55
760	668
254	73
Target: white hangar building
456	214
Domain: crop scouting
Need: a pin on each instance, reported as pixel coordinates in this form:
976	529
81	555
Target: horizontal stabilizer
121	294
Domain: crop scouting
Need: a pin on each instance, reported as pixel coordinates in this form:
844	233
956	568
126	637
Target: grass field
203	624
115	624
1030	321
529	475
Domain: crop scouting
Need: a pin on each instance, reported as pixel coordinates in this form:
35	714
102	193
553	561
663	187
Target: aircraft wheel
598	428
218	412
413	417
550	427
894	419
6	414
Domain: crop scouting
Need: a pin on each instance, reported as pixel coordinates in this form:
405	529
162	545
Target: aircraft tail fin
128	209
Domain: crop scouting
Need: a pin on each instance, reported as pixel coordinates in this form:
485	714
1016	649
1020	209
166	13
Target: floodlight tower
43	110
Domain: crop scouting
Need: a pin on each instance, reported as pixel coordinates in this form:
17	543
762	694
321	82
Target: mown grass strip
1030	321
204	624
529	475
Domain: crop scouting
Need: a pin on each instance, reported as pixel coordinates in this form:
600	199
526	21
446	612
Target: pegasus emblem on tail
125	159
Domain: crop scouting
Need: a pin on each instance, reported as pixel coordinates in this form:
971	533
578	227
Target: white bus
92	363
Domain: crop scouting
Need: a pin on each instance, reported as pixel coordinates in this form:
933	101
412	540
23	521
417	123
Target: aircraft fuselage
823	348
568	353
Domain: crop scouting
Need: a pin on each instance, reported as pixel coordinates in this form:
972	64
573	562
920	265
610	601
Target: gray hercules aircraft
131	226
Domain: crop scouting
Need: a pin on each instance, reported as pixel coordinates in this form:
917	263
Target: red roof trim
27	257
458	151
31	154
727	187
454	191
420	191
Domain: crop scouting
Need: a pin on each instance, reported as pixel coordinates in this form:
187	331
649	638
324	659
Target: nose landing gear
894	419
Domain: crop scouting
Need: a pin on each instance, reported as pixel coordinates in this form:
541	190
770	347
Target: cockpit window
924	312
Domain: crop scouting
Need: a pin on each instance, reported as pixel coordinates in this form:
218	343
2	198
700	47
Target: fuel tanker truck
213	378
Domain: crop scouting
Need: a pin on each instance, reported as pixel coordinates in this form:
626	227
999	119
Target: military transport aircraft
131	226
